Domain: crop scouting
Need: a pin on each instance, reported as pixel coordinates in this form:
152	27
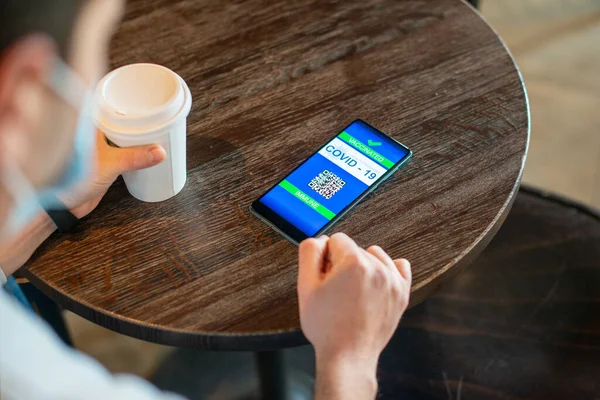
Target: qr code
326	184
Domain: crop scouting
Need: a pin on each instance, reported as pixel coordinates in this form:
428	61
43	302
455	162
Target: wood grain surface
271	81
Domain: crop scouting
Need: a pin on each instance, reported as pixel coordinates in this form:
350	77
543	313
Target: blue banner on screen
334	177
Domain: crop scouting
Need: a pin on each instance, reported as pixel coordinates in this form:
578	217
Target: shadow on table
118	208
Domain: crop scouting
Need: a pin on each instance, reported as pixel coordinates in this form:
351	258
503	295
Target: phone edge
352	205
272	226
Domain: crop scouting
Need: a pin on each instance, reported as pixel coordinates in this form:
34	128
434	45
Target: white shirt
36	364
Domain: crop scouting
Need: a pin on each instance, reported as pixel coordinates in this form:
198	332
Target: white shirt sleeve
35	364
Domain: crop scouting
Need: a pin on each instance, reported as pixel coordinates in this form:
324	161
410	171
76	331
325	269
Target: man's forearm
15	253
343	379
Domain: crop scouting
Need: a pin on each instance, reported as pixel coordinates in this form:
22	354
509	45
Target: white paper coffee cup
142	104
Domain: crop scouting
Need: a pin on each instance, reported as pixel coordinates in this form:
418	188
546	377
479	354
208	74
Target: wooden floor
557	46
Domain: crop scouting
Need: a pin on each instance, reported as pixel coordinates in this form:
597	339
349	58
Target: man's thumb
311	261
138	157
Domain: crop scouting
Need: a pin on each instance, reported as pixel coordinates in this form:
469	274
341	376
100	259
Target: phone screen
327	184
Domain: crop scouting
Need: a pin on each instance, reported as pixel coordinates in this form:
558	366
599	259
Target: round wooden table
271	82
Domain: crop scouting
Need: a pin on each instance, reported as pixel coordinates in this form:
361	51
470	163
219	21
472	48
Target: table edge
273	340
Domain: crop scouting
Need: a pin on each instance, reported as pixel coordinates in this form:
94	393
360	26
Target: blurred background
556	44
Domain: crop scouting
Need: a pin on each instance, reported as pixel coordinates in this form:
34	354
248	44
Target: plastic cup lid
140	98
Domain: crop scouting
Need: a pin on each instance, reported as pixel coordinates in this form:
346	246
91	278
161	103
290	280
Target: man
50	156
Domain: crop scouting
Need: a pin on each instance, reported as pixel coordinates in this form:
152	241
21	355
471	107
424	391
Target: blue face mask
27	201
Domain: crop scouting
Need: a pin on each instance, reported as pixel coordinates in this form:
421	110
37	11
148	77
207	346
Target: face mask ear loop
16	182
71	88
19	188
67	85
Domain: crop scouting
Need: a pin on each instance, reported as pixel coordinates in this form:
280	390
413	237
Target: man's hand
81	200
110	163
351	301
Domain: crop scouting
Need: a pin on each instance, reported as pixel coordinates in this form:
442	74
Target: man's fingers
339	245
404	268
311	259
128	159
100	138
381	256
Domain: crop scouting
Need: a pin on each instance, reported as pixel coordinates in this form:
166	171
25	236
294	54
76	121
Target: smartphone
315	195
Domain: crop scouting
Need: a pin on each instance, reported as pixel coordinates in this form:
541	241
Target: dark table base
281	375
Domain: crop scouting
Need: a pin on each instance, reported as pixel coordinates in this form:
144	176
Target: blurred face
37	127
